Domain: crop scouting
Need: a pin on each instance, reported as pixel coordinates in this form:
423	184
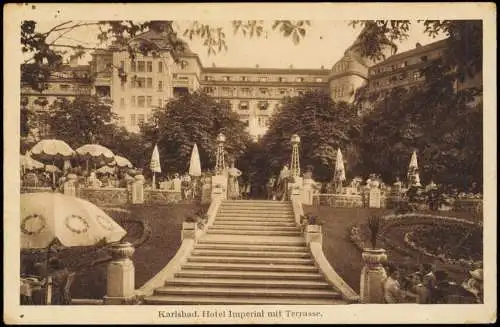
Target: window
423	58
416	75
160	66
149	101
263	105
319	80
208	89
227	91
246	91
263	91
132	120
149	83
140	118
122	102
140	82
244	78
150	66
132	66
141	66
122	65
262	79
226	78
281	79
132	101
121	120
282	91
209	78
160	85
299	79
244	105
141	101
160	102
64	87
300	92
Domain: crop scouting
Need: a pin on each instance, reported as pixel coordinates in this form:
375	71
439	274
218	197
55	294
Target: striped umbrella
52	150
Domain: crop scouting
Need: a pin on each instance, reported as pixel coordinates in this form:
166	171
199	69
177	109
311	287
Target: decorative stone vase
373	275
121	275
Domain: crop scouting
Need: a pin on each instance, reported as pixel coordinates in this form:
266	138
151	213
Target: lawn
165	224
344	256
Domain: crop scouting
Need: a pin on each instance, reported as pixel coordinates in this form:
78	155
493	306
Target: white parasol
121	162
339	167
413	174
194	163
52	150
155	164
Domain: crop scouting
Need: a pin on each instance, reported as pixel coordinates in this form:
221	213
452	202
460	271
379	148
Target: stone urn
313	233
373	275
121	275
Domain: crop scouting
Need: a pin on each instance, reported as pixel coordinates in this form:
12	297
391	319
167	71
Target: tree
443	125
323	126
194	118
82	121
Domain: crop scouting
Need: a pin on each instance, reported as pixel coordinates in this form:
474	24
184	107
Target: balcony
182	82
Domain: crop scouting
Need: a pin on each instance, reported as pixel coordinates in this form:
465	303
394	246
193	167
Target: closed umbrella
195	168
52	150
413	174
339	174
155	164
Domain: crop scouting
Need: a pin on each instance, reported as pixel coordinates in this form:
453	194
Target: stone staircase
253	253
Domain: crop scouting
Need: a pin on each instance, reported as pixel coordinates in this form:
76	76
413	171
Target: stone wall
338	200
161	196
27	189
468	205
105	196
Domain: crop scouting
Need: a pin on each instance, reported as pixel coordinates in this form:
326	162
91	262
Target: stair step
247	209
253	227
218	222
190	299
266	275
256	260
259	283
286	220
255	214
246	291
280	241
256	202
233	253
249	267
251	247
253	232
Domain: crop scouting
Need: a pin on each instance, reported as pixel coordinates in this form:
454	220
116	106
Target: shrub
374	225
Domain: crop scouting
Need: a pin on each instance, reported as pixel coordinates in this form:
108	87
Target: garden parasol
50	217
195	166
52	169
52	150
29	163
413	175
339	174
95	152
155	164
106	170
121	162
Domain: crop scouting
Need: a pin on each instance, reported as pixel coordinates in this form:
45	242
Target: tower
295	164
219	163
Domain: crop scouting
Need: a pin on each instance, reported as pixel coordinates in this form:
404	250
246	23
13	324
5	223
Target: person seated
32	283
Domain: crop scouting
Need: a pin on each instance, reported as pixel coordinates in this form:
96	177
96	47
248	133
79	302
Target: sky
323	45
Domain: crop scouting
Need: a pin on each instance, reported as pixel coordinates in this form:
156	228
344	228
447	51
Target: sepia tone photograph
203	169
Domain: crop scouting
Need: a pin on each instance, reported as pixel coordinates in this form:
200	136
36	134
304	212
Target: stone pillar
313	233
188	231
121	275
296	187
374	198
219	186
206	190
138	189
69	187
308	191
373	275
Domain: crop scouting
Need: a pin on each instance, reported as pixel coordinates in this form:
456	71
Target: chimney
418	45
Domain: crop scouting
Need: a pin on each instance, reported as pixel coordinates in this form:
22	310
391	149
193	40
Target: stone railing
314	237
105	196
30	189
338	200
468	204
161	196
190	233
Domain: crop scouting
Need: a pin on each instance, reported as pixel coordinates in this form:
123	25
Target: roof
253	70
162	40
415	51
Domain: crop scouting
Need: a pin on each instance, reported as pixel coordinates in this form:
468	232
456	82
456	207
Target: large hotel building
136	87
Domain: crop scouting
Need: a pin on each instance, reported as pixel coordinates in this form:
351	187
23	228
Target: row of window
142	66
399	65
246	91
341	67
401	77
141	102
341	91
261	122
147	82
260	79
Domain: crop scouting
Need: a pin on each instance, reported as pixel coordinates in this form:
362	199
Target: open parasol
95	153
413	174
27	162
52	150
121	162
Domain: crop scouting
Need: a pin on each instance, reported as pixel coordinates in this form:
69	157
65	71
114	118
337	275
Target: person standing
392	287
233	185
270	188
282	185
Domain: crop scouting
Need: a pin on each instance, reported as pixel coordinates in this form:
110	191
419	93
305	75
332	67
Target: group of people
430	286
45	283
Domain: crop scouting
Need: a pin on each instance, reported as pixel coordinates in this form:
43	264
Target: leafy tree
84	120
194	118
127	144
443	125
323	126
